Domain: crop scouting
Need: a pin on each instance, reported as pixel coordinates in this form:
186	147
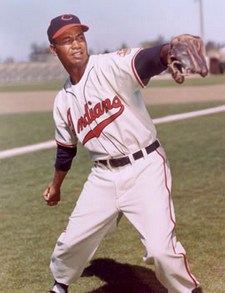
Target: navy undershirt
64	157
147	64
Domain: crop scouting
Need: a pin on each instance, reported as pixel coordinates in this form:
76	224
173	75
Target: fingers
186	55
200	65
204	70
52	203
51	196
46	194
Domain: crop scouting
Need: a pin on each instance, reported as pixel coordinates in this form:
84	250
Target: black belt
126	160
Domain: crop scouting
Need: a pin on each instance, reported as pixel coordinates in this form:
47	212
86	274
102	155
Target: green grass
19	130
29	228
50	85
56	85
37	127
189	81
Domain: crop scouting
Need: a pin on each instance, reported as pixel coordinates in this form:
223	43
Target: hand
185	56
51	195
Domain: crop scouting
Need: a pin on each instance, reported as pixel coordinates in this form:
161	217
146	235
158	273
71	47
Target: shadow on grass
123	278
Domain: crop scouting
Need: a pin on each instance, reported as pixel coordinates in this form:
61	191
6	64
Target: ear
53	49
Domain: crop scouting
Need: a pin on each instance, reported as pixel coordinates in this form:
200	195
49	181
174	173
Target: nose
75	44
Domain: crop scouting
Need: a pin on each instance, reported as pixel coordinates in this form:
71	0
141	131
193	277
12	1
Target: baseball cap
60	24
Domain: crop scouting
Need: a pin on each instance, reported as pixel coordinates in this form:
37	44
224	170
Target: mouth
77	54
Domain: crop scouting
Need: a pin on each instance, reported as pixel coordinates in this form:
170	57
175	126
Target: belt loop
108	164
144	152
132	160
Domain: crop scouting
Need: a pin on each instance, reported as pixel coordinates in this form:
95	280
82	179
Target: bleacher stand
36	71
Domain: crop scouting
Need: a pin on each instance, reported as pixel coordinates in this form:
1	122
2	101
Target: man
101	106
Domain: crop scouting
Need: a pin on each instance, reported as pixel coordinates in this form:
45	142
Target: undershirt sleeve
147	63
64	157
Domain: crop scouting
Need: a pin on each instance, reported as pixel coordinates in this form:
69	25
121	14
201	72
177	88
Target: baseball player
101	106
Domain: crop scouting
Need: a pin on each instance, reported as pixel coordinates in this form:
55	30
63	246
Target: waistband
126	160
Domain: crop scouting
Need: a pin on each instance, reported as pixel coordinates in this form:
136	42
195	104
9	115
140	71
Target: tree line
41	52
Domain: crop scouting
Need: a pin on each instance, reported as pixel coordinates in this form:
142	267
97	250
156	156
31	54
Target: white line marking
51	143
188	115
27	149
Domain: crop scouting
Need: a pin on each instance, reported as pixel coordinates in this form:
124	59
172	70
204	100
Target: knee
156	256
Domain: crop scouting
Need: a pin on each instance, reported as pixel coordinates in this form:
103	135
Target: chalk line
27	149
166	119
188	115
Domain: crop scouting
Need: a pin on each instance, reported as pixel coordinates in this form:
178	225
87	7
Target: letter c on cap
66	17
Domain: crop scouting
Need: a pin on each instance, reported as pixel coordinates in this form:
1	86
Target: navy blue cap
62	23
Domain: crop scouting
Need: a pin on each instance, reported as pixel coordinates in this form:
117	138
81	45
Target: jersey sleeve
134	66
148	63
120	67
64	131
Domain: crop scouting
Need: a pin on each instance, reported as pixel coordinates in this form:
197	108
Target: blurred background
30	77
24	53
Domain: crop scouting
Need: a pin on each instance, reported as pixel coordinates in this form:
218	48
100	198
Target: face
71	48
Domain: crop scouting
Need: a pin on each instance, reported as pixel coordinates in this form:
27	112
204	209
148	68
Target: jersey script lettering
92	113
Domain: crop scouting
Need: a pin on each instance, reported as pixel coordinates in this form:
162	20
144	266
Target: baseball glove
185	56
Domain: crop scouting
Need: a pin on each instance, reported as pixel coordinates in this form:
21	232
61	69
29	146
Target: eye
80	38
67	40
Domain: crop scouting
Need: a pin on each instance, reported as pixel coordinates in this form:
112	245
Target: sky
112	22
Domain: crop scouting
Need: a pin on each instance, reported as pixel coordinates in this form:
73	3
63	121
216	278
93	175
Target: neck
76	75
76	72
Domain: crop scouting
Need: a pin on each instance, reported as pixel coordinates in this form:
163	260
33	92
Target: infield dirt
42	101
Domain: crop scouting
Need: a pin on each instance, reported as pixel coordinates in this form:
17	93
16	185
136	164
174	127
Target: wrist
58	178
164	54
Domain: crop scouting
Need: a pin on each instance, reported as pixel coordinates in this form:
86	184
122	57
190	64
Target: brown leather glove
185	56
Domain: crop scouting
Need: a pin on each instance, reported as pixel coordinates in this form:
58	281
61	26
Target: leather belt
126	160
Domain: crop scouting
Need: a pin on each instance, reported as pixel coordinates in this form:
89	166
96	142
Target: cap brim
68	26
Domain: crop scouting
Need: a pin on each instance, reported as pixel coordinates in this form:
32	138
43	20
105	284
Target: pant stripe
172	219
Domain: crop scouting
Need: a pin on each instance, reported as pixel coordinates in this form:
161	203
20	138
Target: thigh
148	205
95	210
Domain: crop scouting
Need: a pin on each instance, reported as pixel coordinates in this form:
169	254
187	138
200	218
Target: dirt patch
43	101
23	102
184	94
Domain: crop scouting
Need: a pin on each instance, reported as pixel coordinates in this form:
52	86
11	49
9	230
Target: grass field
29	229
164	82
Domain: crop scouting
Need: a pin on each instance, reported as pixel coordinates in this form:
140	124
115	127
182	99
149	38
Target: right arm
64	158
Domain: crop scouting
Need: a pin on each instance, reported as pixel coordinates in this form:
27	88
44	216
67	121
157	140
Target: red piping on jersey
134	69
65	145
70	121
174	223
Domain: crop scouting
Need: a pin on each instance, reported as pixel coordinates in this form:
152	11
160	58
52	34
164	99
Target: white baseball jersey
105	110
106	113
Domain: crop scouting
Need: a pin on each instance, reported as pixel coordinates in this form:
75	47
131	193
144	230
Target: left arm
183	55
151	61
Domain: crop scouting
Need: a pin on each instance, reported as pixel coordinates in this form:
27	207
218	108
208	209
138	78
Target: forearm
58	178
64	158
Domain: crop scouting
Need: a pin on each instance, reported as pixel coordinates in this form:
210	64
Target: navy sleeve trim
147	63
64	157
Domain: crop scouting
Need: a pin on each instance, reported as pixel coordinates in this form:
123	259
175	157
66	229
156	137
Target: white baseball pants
141	191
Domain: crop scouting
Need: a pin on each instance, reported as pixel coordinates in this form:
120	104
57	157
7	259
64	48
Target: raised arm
151	61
